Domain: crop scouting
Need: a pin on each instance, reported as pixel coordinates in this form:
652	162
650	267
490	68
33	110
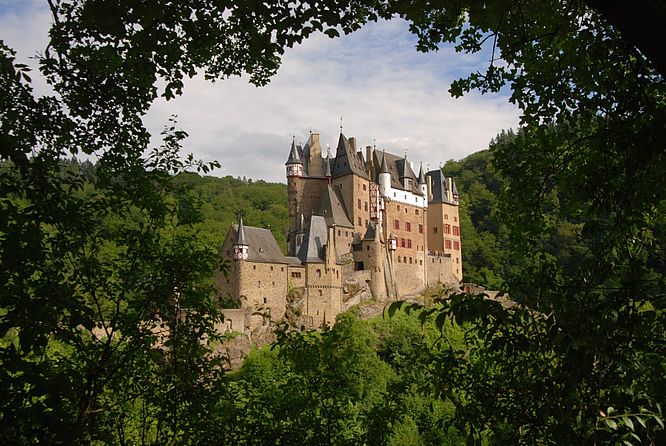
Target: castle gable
347	161
332	209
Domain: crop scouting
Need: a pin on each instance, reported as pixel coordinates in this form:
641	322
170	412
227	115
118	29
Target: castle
355	221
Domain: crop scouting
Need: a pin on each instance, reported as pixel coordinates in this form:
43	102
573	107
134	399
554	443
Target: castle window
339	233
254	266
409	243
456	230
359	266
457	259
446	216
318	273
396	224
282	269
416	211
271	268
420	229
367	248
359	203
420	262
408	226
359	221
447	244
264	300
296	275
406	210
260	283
398	259
364	187
404	259
346	233
410	260
394	195
320	293
366	205
456	246
402	242
337	274
366	223
273	283
228	252
398	208
455	218
447	229
434	229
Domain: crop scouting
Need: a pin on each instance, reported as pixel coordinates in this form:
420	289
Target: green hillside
263	205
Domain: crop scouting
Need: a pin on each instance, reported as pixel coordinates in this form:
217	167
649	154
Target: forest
106	308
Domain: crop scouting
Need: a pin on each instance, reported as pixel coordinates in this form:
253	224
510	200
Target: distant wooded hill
263	205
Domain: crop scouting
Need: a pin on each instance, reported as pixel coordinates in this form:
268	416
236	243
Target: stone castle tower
355	220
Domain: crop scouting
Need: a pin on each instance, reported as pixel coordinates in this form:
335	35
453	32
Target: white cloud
24	26
385	91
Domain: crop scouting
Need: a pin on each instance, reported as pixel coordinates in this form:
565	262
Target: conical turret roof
240	235
384	167
421	178
294	158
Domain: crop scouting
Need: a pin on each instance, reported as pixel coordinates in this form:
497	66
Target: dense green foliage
90	274
263	205
483	235
362	382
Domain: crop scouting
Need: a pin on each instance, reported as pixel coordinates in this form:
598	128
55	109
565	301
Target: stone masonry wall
263	288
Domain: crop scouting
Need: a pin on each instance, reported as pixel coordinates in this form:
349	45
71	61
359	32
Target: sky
386	93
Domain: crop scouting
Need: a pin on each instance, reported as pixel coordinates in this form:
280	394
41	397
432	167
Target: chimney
352	143
429	178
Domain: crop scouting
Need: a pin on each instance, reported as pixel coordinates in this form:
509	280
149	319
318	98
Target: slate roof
399	168
439	186
294	156
346	160
262	245
312	249
240	233
421	179
331	208
371	233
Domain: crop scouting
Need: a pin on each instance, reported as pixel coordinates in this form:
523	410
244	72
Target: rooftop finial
405	153
340	124
374	143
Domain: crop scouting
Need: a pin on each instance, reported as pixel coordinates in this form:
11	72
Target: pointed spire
241	247
240	237
384	167
405	168
421	178
294	157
